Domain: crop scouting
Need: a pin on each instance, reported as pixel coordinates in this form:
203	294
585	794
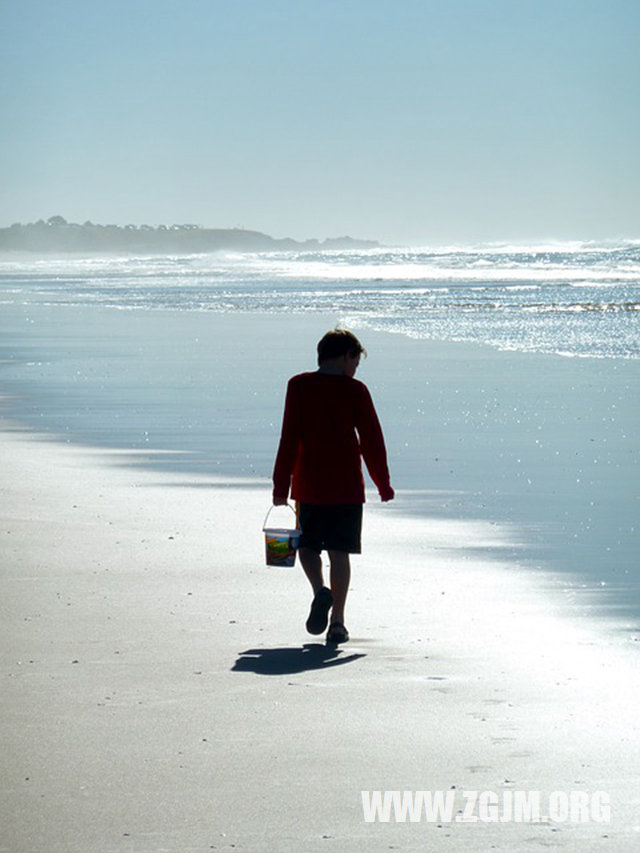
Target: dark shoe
337	633
319	614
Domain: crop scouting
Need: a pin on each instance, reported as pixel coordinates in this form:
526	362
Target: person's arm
373	448
287	449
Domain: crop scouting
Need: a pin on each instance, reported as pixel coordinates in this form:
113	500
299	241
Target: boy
329	424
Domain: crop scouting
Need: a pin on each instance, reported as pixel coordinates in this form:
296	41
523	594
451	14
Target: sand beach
160	692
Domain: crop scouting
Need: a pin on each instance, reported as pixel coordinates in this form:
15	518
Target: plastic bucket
281	544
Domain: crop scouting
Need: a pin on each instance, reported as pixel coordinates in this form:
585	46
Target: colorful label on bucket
280	547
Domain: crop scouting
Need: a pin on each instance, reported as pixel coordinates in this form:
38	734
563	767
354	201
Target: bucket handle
266	518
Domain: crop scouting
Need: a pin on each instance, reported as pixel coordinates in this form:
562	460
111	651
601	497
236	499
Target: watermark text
506	806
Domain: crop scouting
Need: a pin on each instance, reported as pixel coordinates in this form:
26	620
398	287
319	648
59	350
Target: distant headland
57	235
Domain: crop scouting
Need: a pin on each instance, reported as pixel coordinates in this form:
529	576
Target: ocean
124	352
573	300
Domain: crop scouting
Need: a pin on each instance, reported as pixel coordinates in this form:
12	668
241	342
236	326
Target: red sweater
329	423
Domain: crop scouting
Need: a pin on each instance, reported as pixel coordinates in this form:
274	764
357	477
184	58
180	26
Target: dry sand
160	693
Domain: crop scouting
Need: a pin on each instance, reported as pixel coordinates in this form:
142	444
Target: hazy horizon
533	244
420	123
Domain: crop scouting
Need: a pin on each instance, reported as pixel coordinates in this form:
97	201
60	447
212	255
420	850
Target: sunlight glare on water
570	299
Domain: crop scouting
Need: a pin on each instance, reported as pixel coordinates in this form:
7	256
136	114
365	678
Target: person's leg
322	598
340	579
311	563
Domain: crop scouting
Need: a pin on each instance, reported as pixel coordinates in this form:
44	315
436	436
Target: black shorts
331	527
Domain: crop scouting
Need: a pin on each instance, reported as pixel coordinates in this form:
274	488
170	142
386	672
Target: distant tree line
57	235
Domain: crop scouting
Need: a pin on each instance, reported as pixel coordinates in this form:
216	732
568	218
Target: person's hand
387	495
279	500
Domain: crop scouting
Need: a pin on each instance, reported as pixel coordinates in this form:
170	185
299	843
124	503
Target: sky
417	122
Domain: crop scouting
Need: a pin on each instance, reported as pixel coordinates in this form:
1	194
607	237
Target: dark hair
339	342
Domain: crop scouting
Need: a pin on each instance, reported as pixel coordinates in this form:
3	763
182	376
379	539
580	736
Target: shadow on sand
286	661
